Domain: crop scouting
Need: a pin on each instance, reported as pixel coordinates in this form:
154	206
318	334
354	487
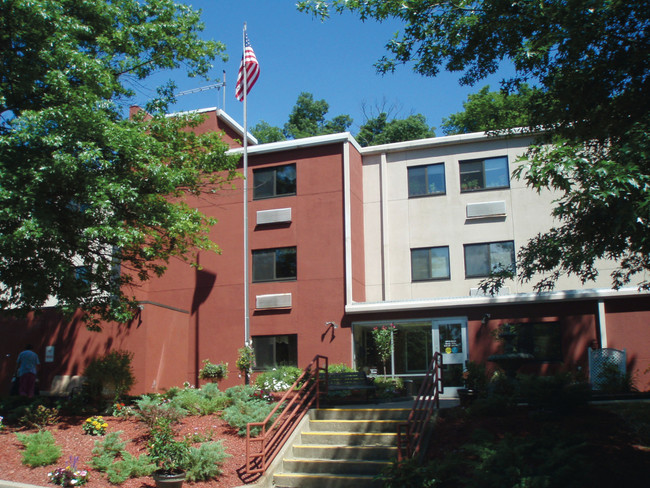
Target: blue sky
333	60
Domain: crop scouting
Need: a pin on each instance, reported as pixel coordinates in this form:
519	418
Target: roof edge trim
520	298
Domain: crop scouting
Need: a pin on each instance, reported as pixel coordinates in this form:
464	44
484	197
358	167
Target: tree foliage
307	119
489	111
380	130
588	61
84	191
265	133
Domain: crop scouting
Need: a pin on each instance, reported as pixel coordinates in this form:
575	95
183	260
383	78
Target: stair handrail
411	433
298	399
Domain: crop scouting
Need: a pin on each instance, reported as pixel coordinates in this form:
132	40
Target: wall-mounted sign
49	354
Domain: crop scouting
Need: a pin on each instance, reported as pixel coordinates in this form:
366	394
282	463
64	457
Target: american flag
249	61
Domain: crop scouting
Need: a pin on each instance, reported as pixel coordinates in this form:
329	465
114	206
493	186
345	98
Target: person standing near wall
26	368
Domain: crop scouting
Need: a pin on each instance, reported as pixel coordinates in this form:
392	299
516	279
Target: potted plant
245	361
168	454
213	372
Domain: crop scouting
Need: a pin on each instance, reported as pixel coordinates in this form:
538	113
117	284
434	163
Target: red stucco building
336	238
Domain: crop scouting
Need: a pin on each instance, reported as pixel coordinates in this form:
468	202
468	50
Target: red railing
411	432
274	432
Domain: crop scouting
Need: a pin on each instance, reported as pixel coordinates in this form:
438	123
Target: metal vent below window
274	216
477	292
485	209
280	300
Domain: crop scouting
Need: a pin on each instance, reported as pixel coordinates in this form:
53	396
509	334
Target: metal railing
283	419
411	433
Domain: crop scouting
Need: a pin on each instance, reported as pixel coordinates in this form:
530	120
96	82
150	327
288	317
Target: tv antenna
218	86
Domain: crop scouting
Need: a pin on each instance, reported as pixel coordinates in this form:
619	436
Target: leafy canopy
588	61
487	110
380	130
85	203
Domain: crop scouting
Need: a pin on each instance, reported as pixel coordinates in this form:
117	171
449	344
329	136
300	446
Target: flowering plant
168	454
263	394
70	475
245	359
1	424
95	426
122	410
383	337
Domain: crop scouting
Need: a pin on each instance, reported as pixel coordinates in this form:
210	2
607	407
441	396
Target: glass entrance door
450	339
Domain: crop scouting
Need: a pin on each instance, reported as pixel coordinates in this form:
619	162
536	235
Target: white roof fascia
223	115
341	137
442	141
515	299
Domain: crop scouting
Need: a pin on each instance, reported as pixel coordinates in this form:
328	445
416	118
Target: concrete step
349	438
387	426
369	453
333	467
361	414
289	480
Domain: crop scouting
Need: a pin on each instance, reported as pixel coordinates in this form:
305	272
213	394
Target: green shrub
151	409
339	368
241	393
241	413
110	456
204	462
40	449
556	393
279	379
110	371
39	416
388	387
204	401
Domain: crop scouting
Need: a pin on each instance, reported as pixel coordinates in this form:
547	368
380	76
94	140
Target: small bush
110	371
151	409
205	401
110	457
39	417
388	387
556	393
241	393
339	368
204	462
94	426
279	379
241	413
40	449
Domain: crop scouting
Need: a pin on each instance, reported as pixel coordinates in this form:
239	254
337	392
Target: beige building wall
395	223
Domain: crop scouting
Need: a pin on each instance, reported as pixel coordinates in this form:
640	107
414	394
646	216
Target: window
426	180
274	264
430	264
484	174
278	181
543	340
481	259
274	351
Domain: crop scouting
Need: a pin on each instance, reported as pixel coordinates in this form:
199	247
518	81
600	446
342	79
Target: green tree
379	130
588	60
84	191
307	119
265	132
490	110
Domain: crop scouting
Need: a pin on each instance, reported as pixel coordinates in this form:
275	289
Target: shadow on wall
72	345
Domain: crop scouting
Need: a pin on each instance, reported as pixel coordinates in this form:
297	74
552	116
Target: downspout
602	324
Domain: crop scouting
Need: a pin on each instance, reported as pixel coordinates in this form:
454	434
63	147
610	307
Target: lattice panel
601	359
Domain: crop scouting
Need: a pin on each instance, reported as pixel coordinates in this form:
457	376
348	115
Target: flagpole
246	287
